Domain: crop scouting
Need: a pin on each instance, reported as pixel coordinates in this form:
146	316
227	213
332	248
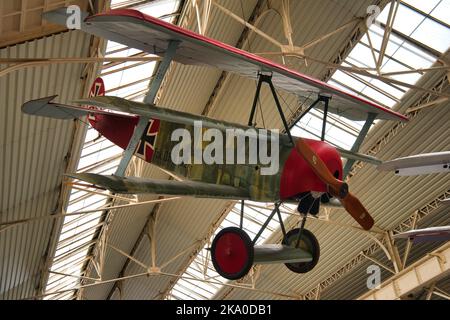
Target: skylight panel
418	26
160	8
112	46
63	252
376	36
406	19
128	76
400	55
442	11
424	5
412	57
357	86
433	35
120	52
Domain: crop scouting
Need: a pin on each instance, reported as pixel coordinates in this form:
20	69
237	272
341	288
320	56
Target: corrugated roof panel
33	156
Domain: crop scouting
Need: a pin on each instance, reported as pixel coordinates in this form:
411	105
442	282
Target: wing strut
150	97
351	155
268	79
321	98
359	140
326	100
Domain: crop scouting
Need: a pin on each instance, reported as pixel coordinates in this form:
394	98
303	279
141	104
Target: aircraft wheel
309	243
232	253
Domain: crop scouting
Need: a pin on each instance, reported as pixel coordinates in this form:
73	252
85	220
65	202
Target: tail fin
45	108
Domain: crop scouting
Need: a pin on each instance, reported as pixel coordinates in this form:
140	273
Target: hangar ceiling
74	256
22	20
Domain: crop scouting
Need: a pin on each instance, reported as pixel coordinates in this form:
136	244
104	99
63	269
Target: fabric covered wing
133	185
151	111
135	29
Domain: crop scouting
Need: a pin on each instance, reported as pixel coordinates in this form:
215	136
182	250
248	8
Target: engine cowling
297	176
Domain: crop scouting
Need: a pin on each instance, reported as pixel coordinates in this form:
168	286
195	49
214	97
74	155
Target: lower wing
133	185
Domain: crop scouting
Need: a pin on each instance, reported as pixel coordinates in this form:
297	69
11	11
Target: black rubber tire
248	246
308	242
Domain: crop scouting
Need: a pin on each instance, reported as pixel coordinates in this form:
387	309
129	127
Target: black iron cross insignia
147	140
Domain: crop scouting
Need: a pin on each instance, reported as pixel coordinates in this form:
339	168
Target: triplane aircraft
310	171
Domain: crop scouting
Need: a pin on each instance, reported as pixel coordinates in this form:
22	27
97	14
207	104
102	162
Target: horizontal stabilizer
45	108
133	185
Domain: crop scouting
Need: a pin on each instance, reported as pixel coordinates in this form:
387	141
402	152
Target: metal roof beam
429	269
133	251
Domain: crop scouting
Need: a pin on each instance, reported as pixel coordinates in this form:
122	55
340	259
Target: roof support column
393	251
151	234
409	242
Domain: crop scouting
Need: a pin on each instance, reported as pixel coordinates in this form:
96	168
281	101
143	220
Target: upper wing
135	29
133	185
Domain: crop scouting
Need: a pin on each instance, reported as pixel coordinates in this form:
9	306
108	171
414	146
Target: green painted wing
151	111
133	185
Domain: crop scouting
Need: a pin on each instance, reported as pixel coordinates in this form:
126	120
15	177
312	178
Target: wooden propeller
336	187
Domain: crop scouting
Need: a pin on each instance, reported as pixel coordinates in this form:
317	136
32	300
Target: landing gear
307	242
309	203
232	253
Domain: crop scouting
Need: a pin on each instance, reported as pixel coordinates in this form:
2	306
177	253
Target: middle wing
152	111
133	185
